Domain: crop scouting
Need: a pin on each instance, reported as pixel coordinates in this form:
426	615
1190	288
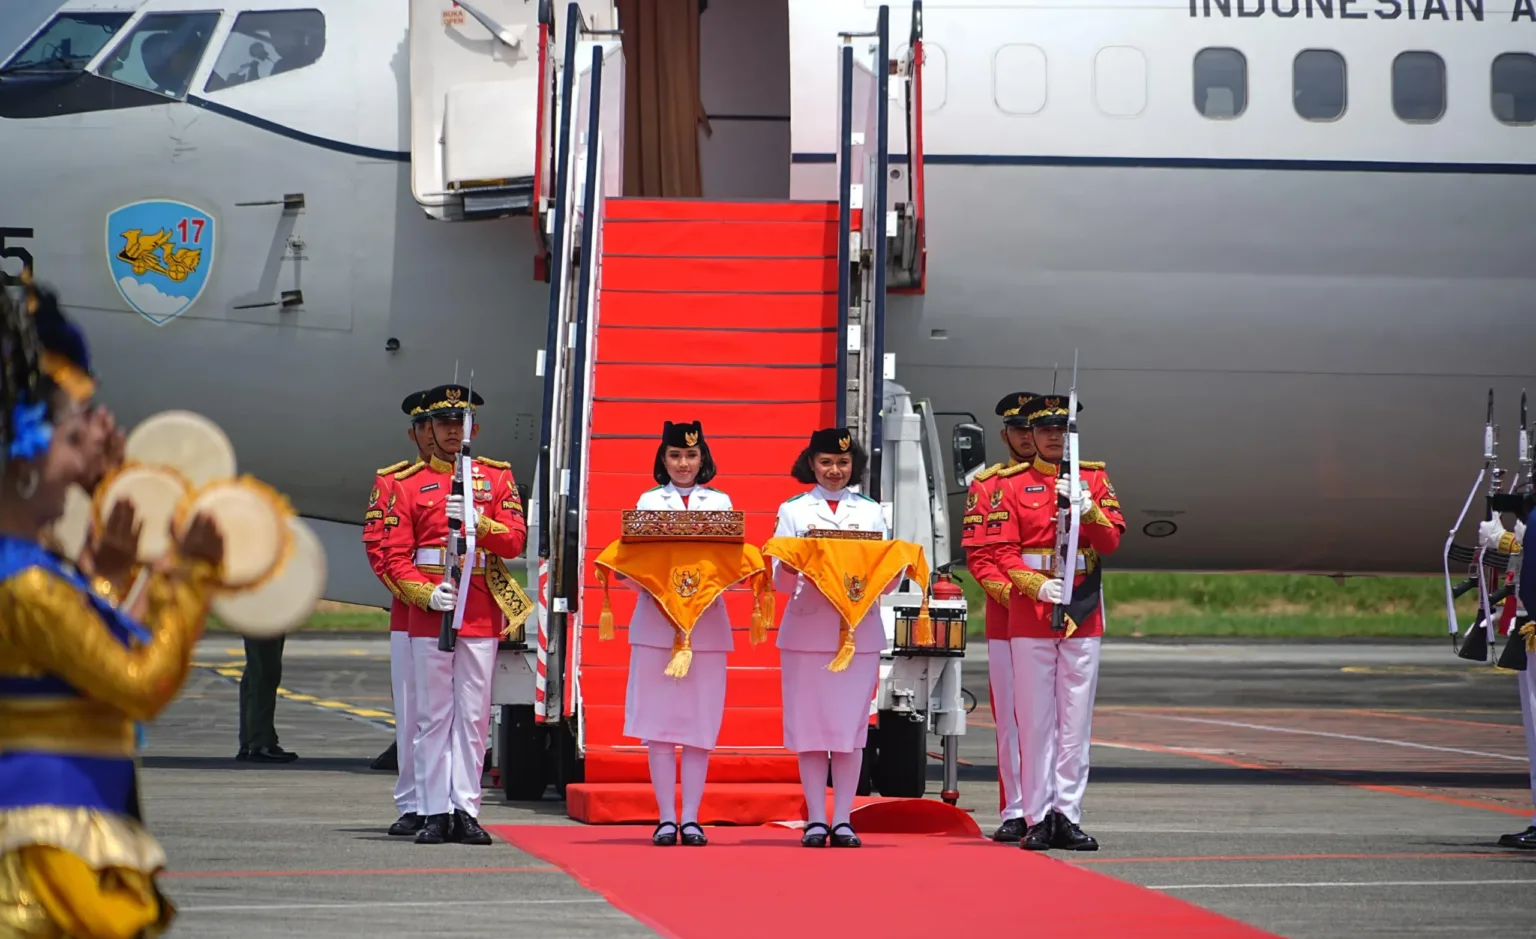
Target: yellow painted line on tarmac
234	651
230	672
369	712
305	698
341	705
236	670
1425	670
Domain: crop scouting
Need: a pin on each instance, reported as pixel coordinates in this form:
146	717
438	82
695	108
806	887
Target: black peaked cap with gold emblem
1048	410
1011	408
415	405
682	436
449	401
832	440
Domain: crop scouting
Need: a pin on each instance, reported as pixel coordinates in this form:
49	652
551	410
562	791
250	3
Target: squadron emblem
160	253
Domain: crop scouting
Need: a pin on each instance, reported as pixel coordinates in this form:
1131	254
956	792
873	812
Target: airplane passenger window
1221	83
1418	87
1514	88
1318	84
69	43
162	52
262	45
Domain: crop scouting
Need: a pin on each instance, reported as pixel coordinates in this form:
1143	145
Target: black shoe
692	834
849	840
1011	831
1038	835
1525	840
468	831
243	755
389	760
665	835
814	835
408	824
437	830
1068	837
272	754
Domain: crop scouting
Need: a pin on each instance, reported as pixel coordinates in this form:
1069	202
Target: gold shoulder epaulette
1013	470
989	472
392	468
411	470
493	463
1090	464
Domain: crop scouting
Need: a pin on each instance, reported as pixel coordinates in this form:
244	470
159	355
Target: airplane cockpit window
68	44
1514	88
1319	89
262	45
1221	83
162	52
1418	87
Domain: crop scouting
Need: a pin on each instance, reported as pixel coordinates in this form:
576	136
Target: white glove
455	508
1489	533
1049	592
444	597
1520	533
1064	488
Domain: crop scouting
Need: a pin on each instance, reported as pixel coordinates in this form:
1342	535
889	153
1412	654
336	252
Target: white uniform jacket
810	623
650	626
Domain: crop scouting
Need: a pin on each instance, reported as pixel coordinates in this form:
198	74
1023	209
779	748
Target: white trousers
402	683
1000	673
1054	685
1526	682
453	715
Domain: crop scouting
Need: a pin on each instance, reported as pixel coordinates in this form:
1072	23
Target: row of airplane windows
1320	86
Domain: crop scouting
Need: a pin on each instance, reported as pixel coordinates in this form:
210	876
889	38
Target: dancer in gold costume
77	673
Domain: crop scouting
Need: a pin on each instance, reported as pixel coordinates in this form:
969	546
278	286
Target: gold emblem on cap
845	442
691	438
454	394
1022	400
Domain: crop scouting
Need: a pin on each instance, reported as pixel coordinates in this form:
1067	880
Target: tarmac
1311	790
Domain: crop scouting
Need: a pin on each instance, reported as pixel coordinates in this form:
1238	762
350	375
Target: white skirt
685	710
826	710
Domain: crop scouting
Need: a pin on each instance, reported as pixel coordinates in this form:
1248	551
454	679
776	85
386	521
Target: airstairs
763	319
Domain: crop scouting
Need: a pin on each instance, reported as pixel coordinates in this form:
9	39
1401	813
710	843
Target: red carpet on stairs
759	882
726	313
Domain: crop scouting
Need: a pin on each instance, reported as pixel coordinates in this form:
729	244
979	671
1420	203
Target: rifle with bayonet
460	548
1068	517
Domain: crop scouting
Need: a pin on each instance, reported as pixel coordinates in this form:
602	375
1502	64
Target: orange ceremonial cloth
852	575
684	576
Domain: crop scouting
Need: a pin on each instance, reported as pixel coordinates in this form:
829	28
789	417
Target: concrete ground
1339	790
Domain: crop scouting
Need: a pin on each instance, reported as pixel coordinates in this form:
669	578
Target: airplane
1285	240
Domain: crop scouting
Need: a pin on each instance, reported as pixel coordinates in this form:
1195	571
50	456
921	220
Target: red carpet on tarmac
759	882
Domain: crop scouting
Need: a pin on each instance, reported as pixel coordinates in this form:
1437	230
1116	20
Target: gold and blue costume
76	677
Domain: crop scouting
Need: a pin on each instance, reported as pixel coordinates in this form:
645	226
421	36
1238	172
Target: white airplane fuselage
1286	327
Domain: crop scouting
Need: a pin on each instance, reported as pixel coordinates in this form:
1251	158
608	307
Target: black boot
406	825
1525	840
468	829
437	830
1068	837
389	760
1038	836
1010	832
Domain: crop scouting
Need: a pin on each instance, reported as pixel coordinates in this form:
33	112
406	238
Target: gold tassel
922	630
763	608
682	656
604	621
844	656
1529	632
1071	627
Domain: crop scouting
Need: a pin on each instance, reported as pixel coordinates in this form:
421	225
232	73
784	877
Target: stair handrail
916	181
844	225
877	253
543	150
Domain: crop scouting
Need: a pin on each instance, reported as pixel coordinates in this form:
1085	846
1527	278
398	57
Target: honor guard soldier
986	528
453	689
1491	535
379	519
1055	674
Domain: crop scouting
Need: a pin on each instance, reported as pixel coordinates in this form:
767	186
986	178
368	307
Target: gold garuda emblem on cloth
691	438
454	394
685	583
845	443
855	586
997	498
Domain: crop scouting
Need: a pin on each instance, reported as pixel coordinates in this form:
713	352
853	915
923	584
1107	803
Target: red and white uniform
985	528
381	517
453	689
1055	678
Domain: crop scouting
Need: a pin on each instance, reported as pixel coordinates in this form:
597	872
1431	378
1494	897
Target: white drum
285	601
71	529
155	492
191	443
253	518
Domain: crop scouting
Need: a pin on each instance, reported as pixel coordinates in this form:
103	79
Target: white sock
664	779
695	770
813	780
845	784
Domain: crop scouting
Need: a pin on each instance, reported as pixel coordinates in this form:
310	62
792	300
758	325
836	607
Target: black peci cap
686	435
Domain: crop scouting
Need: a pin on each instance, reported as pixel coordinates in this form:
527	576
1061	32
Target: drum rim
278	502
291	523
99	497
